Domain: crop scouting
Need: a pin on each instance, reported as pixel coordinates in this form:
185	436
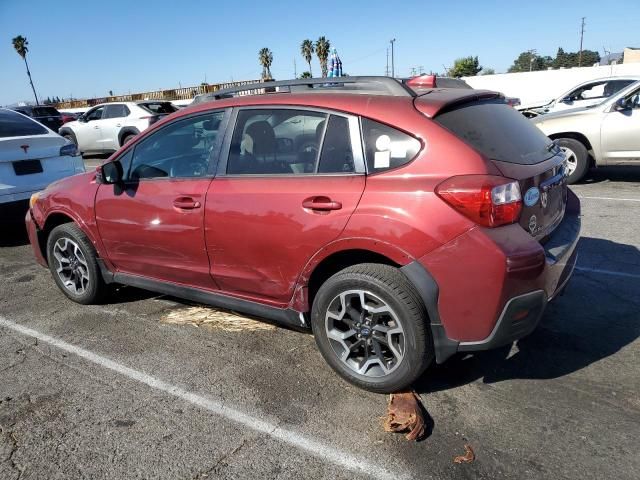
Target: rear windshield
15	125
45	112
498	131
159	107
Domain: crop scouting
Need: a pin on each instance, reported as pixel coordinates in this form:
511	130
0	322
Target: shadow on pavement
596	317
13	235
613	174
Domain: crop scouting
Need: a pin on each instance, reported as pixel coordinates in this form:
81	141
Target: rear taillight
487	200
69	149
152	119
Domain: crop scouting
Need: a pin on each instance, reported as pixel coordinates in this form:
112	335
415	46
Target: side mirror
110	173
567	100
622	104
81	118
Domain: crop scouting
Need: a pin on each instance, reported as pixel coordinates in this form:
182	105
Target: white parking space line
297	440
610	198
608	272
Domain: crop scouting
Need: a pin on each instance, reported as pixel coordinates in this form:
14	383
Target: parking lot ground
116	391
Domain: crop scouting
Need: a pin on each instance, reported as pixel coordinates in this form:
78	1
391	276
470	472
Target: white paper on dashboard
381	160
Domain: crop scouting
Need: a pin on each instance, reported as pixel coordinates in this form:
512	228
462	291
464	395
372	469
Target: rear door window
337	152
385	147
115	111
45	112
498	131
13	124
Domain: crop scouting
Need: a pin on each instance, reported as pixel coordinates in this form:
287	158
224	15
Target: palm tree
307	51
20	44
322	51
265	57
306	75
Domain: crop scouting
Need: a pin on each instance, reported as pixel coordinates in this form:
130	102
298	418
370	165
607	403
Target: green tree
323	46
20	44
111	93
488	71
265	57
307	49
306	75
572	59
529	61
465	67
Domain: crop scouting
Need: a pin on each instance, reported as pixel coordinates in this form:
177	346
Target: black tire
393	288
127	138
581	158
94	288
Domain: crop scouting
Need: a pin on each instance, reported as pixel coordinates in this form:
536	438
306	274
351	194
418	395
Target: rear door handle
321	203
186	203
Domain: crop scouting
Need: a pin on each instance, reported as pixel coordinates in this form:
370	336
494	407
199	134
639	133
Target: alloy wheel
365	333
71	266
572	159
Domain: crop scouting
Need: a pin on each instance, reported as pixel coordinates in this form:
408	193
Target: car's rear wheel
73	264
371	327
577	158
127	138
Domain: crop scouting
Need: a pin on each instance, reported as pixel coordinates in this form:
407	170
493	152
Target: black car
46	115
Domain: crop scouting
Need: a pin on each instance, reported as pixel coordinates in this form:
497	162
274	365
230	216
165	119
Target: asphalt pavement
134	389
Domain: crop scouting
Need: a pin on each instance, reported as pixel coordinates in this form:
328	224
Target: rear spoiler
437	101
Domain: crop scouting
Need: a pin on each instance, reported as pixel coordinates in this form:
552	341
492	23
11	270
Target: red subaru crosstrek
400	224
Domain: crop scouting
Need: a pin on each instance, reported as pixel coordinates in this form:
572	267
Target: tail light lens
69	149
152	119
487	200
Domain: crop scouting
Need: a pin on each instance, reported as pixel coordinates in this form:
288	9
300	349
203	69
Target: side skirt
284	316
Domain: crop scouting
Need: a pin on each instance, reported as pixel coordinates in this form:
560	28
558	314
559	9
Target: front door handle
321	203
186	203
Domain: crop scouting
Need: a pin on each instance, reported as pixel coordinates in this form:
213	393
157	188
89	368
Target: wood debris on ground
405	414
212	317
468	457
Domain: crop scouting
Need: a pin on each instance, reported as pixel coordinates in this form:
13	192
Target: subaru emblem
532	196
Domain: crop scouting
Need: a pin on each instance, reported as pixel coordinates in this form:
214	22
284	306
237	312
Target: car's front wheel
577	158
371	327
73	264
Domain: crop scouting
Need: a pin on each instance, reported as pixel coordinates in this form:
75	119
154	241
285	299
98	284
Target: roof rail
358	85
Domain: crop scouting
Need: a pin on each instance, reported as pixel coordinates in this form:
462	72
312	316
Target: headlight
33	199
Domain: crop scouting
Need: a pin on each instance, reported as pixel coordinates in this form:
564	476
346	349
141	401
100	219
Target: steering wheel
188	168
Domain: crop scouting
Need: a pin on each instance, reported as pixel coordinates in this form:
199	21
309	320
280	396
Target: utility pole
581	37
421	69
532	57
386	70
295	72
393	69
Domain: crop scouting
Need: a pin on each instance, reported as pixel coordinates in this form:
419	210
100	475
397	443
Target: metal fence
185	93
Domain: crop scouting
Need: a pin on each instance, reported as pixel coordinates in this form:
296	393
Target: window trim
354	126
214	155
423	145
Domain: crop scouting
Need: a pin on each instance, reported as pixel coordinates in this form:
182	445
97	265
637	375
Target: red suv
400	225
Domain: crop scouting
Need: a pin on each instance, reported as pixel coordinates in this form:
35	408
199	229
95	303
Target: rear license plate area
27	167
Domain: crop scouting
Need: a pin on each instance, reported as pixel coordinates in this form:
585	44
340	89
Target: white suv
106	127
603	134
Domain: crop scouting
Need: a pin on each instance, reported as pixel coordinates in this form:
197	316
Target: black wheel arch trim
429	291
126	131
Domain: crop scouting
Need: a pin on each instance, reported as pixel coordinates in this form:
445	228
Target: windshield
15	125
498	131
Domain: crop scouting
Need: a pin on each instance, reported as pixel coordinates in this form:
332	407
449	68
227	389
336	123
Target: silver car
604	134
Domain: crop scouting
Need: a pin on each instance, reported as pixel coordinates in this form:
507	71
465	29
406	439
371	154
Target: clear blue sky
87	48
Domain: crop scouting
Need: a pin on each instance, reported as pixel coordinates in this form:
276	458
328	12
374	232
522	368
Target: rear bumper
491	286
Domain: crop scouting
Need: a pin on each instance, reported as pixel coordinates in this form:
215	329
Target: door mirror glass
81	118
567	100
111	173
